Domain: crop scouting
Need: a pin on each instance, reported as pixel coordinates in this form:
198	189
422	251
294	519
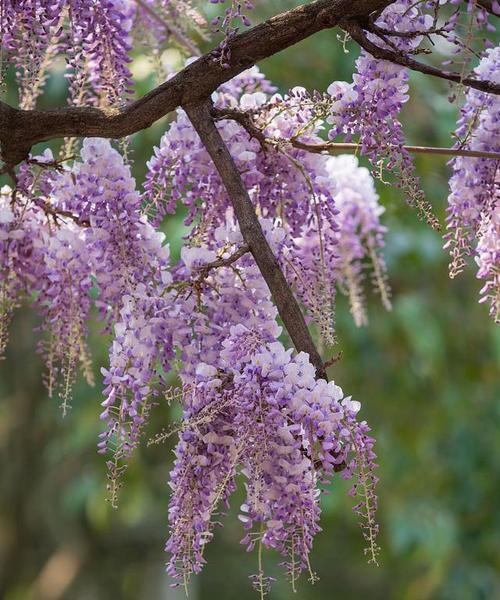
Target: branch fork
286	303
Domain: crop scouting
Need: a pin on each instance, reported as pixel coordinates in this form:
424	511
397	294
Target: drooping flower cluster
95	36
252	407
474	198
360	234
51	264
86	241
20	227
130	270
99	45
367	110
285	430
292	187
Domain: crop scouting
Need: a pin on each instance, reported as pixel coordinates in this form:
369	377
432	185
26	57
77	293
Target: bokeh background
427	375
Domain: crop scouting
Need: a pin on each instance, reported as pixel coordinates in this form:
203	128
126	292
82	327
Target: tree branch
20	129
354	29
246	121
288	307
225	262
334	148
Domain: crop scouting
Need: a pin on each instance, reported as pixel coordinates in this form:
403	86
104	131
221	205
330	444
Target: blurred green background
426	375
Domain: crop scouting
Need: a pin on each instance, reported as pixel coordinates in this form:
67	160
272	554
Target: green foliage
426	375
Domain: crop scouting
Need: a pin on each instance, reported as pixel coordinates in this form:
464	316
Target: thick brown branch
20	130
358	35
288	307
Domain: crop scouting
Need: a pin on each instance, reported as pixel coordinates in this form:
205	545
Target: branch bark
20	129
335	148
354	29
288	307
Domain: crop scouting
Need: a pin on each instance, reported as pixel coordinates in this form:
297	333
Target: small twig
58	213
244	119
334	147
335	359
50	164
171	28
225	262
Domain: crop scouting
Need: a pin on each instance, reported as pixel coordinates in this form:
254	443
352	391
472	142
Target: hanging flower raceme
99	46
47	263
123	248
95	36
30	37
360	235
263	413
140	355
475	185
77	233
21	234
368	108
488	261
129	264
288	185
63	300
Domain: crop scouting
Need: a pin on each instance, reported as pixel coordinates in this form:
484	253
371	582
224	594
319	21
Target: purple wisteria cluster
129	265
474	200
327	218
262	412
77	237
360	234
48	263
95	38
252	407
367	110
20	225
78	240
83	240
